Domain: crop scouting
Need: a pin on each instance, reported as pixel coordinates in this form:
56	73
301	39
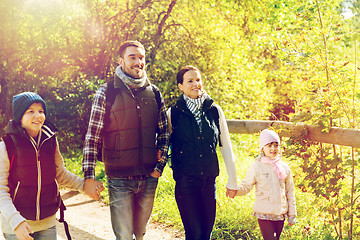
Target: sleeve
163	136
65	177
92	144
7	208
248	182
290	195
227	151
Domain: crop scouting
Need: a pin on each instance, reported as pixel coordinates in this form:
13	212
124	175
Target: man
132	131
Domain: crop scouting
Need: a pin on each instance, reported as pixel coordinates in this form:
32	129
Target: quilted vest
32	183
129	137
193	153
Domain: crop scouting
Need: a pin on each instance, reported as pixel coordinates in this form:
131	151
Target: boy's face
33	119
271	150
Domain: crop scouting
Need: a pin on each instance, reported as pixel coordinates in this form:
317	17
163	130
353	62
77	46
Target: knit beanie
22	102
268	136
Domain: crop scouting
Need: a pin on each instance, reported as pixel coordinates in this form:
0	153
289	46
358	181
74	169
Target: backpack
110	96
11	151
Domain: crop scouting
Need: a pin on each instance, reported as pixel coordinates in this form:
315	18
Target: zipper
39	186
16	190
39	172
138	109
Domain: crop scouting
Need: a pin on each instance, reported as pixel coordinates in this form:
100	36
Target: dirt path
89	219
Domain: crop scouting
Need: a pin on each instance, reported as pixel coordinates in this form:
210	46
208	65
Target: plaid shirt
93	138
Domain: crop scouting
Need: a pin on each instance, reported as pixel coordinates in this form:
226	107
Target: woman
197	126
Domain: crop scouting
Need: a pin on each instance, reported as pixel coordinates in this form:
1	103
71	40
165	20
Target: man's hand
155	174
93	188
23	230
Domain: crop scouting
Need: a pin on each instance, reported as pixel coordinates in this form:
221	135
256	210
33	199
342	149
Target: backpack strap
157	96
110	95
215	114
175	113
62	220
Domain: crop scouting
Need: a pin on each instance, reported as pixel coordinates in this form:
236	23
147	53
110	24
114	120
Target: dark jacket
32	174
129	142
193	153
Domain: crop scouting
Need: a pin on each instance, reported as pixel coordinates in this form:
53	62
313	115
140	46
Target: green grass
234	218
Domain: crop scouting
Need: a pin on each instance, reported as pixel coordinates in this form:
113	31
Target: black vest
193	153
32	183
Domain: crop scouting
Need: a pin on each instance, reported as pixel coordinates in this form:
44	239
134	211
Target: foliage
293	60
328	98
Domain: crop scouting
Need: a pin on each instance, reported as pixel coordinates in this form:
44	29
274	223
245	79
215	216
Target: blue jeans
196	200
47	234
131	202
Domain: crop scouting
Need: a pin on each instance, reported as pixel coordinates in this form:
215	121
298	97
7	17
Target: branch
336	135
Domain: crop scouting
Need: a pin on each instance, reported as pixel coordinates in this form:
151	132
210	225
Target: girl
274	187
31	167
196	124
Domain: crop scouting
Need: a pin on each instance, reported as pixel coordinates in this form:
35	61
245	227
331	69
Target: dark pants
196	200
271	230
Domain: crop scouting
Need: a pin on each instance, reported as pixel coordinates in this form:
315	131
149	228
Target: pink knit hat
268	136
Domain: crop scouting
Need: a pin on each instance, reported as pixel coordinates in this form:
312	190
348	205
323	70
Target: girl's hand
231	193
23	230
291	221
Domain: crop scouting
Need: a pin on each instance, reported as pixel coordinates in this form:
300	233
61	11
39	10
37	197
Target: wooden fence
338	136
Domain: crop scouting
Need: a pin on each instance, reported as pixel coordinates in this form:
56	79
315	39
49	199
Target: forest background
290	60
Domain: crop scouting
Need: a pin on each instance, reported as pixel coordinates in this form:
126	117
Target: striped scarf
129	81
195	106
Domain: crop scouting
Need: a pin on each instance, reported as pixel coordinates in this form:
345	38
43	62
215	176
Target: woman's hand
23	230
231	193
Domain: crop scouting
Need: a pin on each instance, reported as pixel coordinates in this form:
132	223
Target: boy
31	171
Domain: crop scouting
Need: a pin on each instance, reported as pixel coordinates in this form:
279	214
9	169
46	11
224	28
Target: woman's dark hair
182	71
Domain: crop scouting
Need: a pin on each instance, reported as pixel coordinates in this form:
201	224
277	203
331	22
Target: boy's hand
23	230
93	188
231	193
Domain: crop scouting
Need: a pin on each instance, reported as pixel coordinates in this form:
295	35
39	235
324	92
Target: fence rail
338	136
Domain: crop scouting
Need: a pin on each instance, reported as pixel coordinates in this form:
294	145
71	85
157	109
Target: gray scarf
132	82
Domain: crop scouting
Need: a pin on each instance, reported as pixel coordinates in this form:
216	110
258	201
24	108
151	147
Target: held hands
93	188
231	193
155	174
23	230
